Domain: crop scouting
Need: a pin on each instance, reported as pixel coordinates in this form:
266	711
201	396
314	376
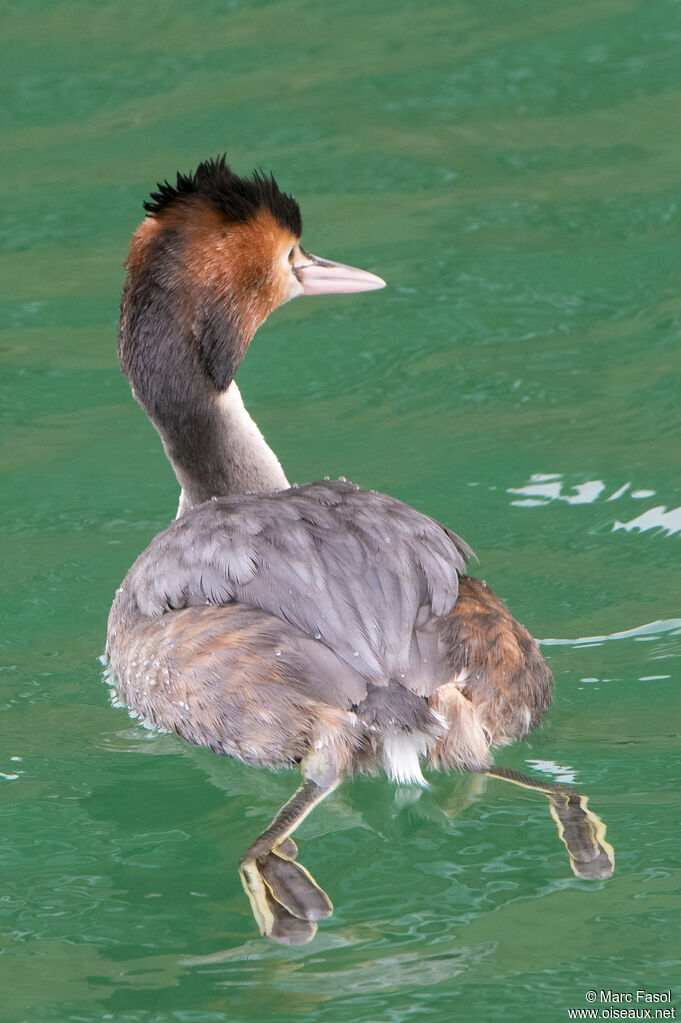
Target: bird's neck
240	460
213	444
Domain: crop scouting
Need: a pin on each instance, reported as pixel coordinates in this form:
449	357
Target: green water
513	170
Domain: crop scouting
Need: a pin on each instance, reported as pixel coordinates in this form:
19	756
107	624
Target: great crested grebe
318	625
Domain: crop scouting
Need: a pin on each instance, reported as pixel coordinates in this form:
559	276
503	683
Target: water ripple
641	632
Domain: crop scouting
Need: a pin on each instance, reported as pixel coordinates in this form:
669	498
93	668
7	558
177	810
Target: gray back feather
359	572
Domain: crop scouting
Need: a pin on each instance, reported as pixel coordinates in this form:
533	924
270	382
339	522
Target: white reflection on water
558	772
642	633
654	518
543	488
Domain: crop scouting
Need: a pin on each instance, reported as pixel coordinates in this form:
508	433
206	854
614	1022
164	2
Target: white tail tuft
402	752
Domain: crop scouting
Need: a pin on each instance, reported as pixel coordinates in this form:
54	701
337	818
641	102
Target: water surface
512	169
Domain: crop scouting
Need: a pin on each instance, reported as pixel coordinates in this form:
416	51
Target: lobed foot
583	834
581	831
285	899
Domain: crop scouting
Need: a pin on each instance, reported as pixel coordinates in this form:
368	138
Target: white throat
251	465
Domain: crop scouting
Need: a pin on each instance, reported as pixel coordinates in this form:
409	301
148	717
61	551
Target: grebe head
214	256
220	239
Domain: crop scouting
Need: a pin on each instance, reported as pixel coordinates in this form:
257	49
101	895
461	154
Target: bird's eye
291	255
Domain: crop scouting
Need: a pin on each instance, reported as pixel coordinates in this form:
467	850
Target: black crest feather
238	198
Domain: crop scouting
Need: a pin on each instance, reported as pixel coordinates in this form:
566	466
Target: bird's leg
285	899
580	829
